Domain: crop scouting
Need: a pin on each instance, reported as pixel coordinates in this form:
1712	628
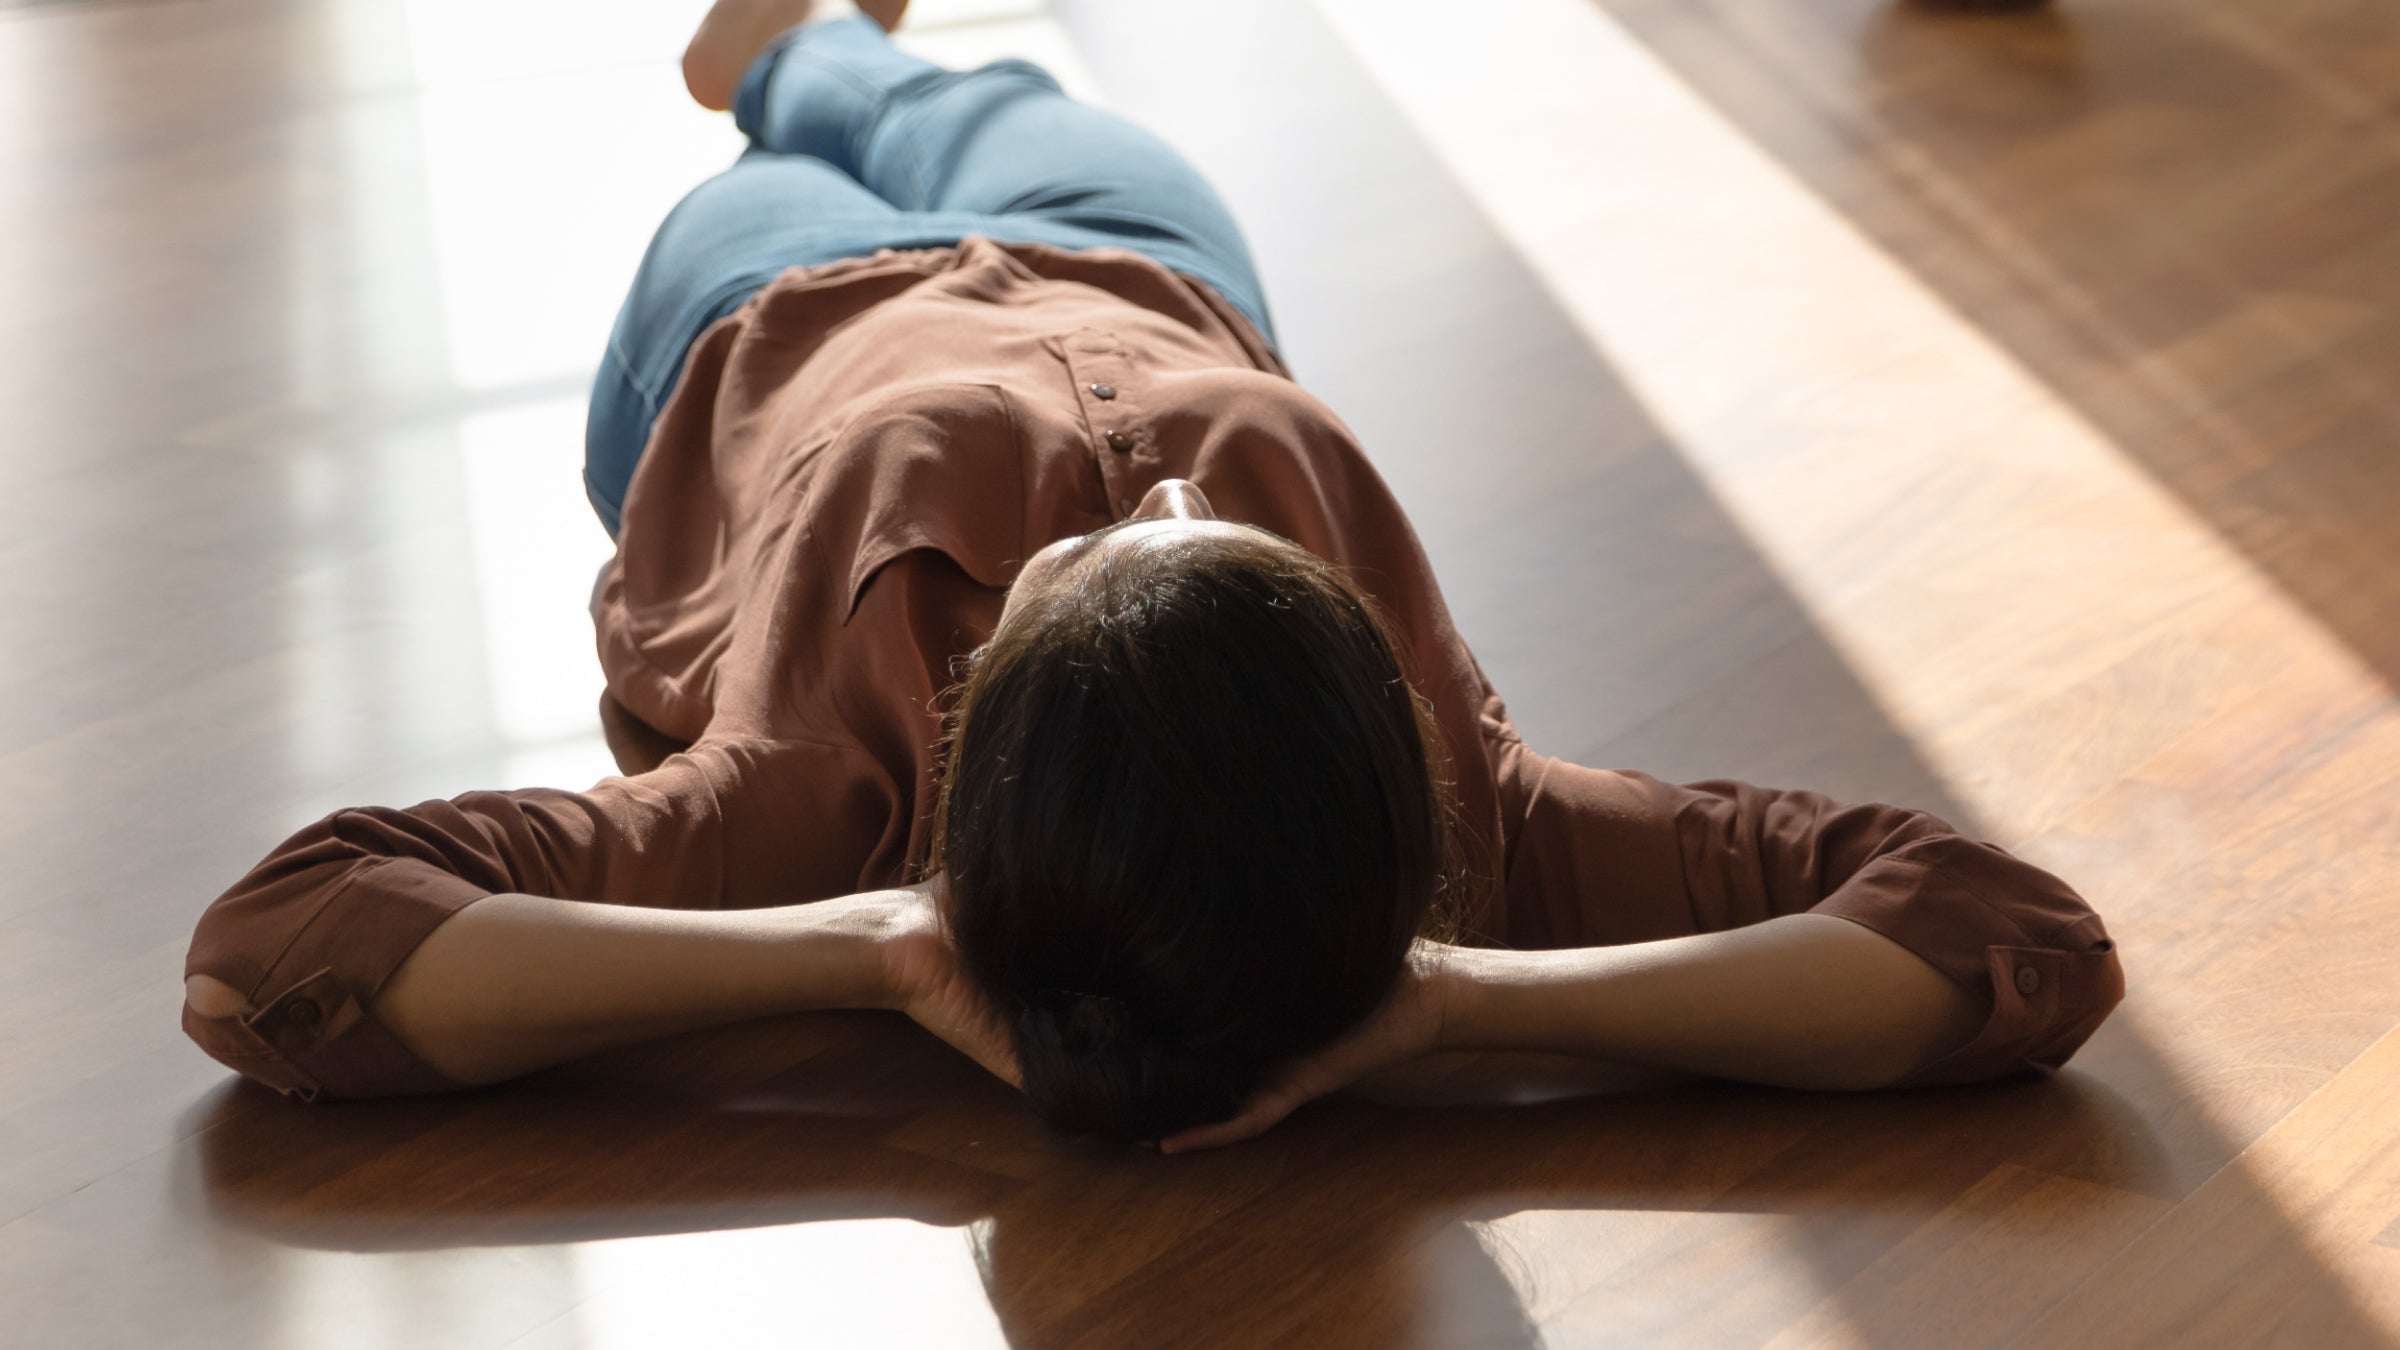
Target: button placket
1112	414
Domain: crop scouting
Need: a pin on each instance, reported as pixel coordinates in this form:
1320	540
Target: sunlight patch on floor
1835	405
537	548
853	1282
554	137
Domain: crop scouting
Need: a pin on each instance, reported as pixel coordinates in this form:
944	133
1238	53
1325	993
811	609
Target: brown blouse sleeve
1599	857
314	931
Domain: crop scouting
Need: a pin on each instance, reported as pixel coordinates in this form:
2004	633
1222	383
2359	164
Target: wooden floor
2000	414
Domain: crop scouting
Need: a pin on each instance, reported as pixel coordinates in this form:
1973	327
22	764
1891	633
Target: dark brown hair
1193	816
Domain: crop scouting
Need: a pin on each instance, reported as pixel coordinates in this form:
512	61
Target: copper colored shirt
830	509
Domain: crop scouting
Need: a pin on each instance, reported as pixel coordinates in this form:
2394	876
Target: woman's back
854	467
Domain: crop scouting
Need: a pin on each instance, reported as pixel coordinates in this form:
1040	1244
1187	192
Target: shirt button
302	1016
2029	981
1104	392
1118	440
1126	505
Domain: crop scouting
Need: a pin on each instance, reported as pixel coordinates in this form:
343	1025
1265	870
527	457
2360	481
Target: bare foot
733	33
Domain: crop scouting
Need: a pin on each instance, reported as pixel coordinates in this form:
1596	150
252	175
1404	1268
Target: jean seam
896	119
633	376
919	172
865	130
858	83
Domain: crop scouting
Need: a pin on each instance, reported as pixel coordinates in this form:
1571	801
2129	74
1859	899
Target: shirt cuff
312	1032
2002	929
2046	1002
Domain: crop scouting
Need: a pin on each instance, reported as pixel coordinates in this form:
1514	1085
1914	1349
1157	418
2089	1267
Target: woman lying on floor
1055	670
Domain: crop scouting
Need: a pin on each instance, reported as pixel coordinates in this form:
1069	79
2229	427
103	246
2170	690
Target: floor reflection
1372	1221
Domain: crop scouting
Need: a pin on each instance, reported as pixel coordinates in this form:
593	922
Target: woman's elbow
208	996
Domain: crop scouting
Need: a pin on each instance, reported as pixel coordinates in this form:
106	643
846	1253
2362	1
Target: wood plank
2203	1275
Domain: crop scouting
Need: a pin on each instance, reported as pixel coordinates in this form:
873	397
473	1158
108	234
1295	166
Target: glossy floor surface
1994	413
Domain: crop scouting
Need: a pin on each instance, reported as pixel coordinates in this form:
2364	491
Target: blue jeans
856	146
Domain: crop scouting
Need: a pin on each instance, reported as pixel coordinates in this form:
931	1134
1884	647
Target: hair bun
1090	1066
1087	1023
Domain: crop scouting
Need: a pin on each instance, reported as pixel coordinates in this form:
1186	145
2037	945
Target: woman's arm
1616	859
1806	1001
291	968
513	983
1732	930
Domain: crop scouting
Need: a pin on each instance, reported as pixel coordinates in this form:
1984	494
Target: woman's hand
922	972
1415	1019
